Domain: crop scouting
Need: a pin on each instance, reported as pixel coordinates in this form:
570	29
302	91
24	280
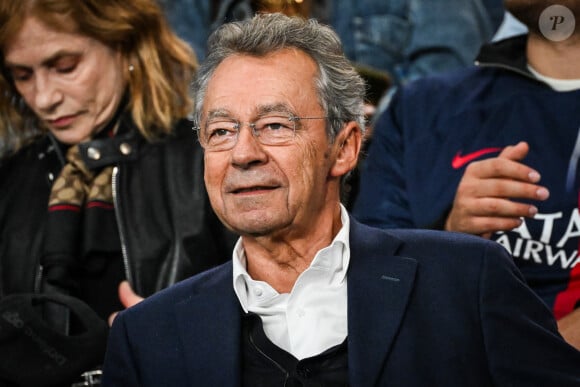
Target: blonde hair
162	65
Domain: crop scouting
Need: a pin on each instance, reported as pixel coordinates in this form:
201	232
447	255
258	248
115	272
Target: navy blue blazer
425	308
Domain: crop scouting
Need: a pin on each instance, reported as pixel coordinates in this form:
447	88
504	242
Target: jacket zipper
61	158
573	164
507	67
120	226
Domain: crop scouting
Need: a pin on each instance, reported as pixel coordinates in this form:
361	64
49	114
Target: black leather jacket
167	228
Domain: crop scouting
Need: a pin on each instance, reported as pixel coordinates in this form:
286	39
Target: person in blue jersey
493	151
312	297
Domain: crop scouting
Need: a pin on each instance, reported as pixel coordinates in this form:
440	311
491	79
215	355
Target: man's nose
247	149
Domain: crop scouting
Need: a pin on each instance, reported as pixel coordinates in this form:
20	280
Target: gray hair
340	88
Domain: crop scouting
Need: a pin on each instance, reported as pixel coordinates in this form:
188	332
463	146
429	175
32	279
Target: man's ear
347	147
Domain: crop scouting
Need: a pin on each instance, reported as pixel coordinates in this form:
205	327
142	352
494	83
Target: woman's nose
47	93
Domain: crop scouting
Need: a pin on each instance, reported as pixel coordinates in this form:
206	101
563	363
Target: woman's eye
66	64
20	74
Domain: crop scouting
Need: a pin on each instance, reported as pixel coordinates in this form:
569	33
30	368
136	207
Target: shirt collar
334	259
556	84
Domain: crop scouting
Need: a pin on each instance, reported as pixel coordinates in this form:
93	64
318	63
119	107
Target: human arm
519	331
120	367
127	297
484	202
569	328
382	200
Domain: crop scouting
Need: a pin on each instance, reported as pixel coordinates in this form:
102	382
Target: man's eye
275	123
275	126
220	132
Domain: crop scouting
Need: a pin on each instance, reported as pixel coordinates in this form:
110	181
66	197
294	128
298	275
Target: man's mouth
257	188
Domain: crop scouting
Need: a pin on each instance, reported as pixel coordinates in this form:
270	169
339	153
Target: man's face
261	189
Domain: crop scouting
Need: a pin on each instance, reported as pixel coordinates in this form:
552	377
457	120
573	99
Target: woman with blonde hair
102	180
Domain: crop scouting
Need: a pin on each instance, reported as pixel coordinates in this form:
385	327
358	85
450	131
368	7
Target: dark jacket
424	309
167	228
436	126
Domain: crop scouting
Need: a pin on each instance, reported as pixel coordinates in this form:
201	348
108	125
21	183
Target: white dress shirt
313	316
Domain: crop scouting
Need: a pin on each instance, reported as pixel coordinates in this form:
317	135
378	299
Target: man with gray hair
312	297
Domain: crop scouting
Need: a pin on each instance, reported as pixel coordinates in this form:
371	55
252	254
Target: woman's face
72	82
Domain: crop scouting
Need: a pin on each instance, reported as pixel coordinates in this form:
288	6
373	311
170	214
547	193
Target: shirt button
258	292
303	372
301	313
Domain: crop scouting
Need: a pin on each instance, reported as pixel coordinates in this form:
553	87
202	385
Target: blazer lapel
209	325
379	286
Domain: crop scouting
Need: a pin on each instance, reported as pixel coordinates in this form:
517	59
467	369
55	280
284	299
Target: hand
128	298
569	327
483	202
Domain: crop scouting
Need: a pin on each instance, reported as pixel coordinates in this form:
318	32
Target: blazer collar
379	287
209	325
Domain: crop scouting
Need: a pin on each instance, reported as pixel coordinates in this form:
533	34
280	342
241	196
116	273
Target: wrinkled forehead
52	18
52	22
38	42
284	81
